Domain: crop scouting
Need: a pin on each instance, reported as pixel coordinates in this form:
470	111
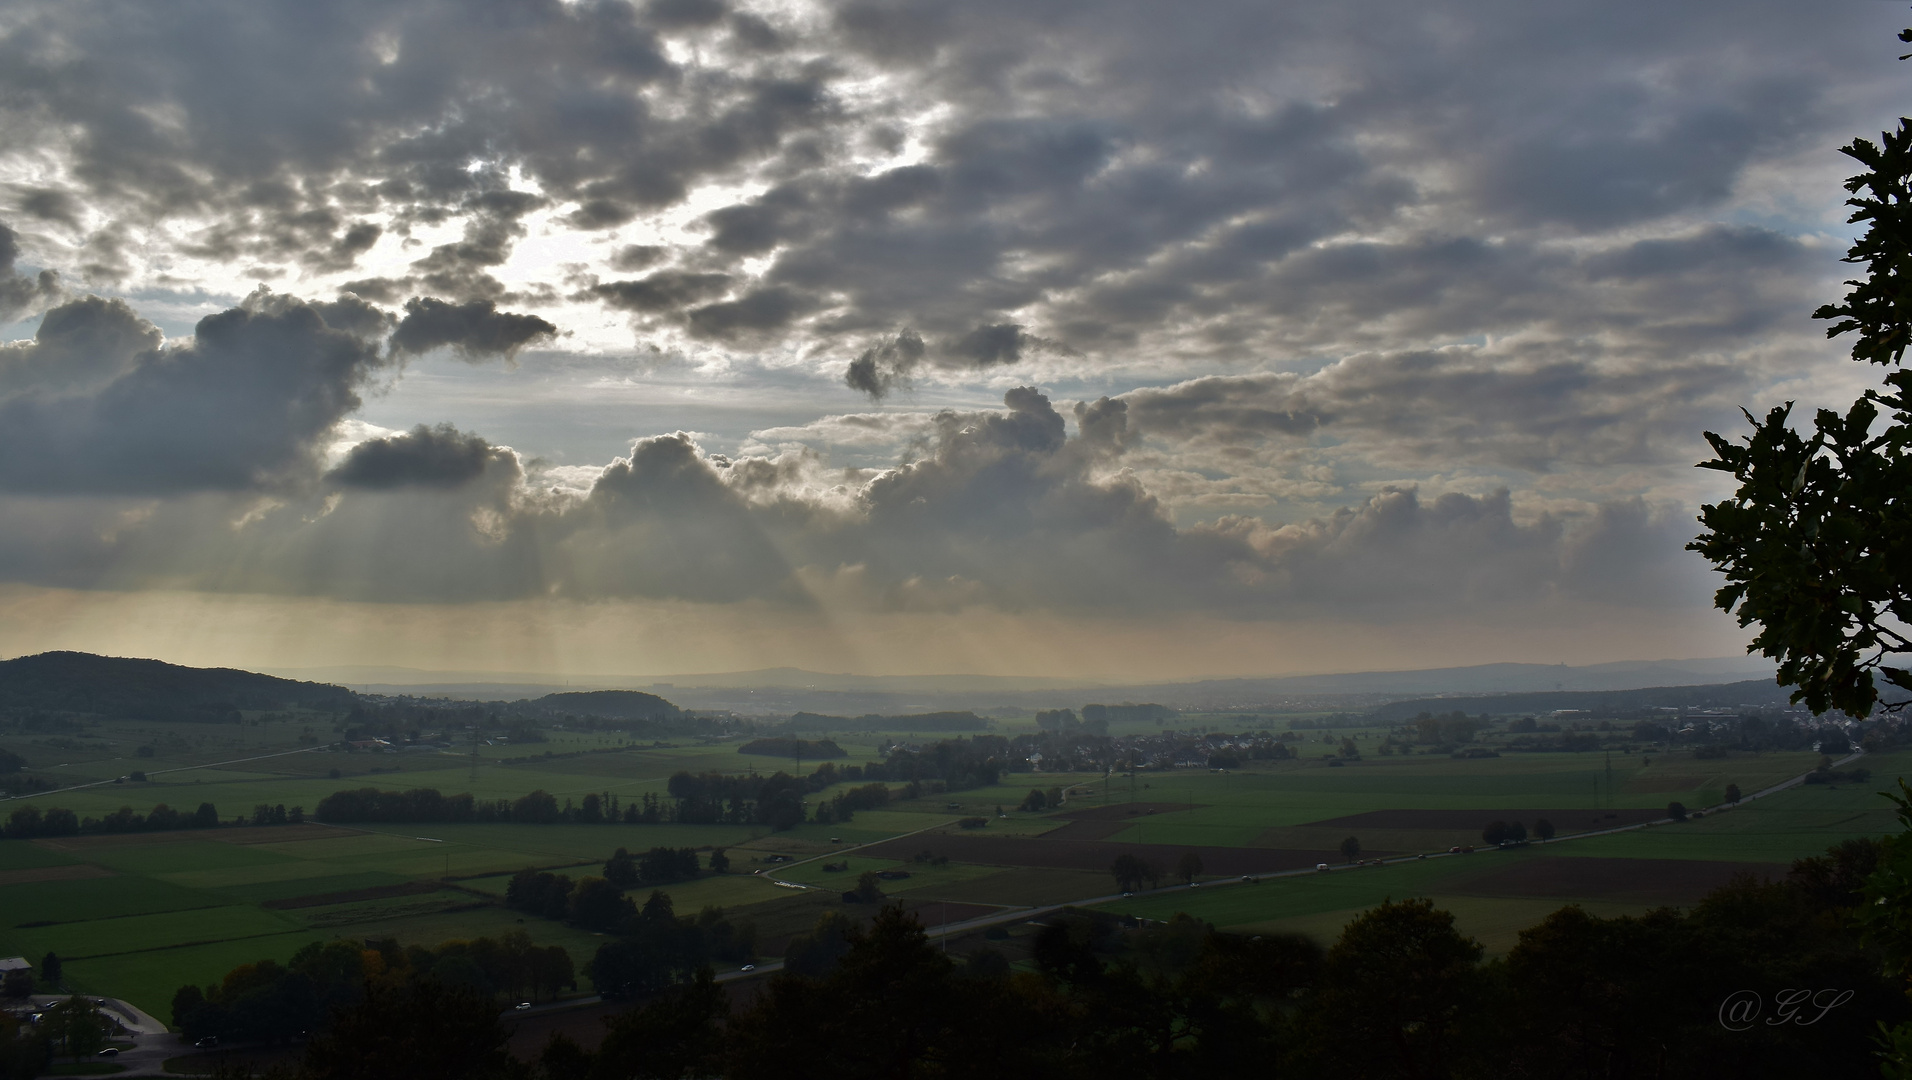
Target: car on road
1420	856
109	1052
207	1043
1453	851
1245	877
1128	894
1322	867
748	967
522	1006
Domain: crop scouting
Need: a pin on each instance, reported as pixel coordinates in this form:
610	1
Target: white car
523	1005
748	967
1321	866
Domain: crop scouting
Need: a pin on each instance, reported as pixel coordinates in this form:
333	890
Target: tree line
30	821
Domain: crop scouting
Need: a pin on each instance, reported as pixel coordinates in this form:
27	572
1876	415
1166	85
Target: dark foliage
792	748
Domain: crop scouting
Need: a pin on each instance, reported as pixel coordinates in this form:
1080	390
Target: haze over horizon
1102	341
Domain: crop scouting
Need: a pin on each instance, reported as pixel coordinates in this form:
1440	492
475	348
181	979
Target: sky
1111	339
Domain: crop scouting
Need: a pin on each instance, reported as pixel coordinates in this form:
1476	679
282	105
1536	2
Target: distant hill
1753	693
614	704
934	721
113	687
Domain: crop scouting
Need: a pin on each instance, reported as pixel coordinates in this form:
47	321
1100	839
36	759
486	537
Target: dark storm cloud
474	330
80	346
664	291
49	204
754	316
440	457
632	257
345	251
243	405
20	294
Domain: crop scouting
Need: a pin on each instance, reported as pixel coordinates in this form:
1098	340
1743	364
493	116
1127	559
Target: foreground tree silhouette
1393	994
417	1031
1816	544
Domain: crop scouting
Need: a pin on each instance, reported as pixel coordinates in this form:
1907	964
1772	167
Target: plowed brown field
1650	881
1095	855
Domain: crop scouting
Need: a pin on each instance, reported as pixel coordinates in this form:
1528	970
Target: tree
1188	867
675	1035
1350	848
1543	829
50	968
869	888
1034	801
77	1026
1130	871
1816	545
17	984
1394	989
1494	833
1732	793
596	904
621	870
1516	832
1676	811
719	862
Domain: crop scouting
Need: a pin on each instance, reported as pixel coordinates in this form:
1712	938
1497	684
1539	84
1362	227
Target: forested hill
111	687
1607	703
614	704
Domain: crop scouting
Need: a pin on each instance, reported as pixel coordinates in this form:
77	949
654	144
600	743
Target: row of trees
1497	831
778	746
599	903
30	821
1131	872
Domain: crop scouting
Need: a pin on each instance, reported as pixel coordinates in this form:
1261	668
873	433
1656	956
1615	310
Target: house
15	963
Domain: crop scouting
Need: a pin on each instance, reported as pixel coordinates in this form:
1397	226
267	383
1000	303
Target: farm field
137	916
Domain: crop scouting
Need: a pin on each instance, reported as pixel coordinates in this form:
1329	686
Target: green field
140	915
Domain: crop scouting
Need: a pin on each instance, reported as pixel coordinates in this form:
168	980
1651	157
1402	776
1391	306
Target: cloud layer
1288	309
